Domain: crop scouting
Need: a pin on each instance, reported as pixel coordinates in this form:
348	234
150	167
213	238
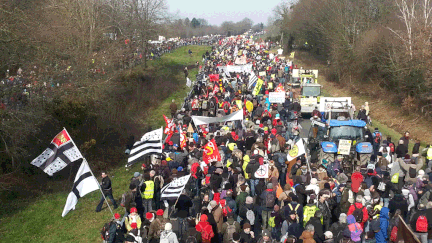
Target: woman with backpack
168	236
355	228
205	229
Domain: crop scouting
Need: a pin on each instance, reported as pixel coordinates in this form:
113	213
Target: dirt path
389	118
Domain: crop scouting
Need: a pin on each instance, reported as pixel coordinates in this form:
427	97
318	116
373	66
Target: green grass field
39	219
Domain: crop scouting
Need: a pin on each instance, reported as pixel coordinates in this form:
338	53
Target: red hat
184	125
160	212
149	216
144	165
117	216
134	225
133	210
203	218
261	125
274	131
266	92
170	143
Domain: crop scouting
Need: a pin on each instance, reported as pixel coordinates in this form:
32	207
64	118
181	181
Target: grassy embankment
39	219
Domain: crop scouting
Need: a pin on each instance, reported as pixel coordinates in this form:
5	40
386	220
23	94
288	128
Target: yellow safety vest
239	104
149	191
429	154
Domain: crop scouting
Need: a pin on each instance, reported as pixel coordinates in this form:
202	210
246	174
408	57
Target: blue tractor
343	138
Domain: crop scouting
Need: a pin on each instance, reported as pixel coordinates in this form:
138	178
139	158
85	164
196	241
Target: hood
165	233
357	176
384	213
306	235
351	219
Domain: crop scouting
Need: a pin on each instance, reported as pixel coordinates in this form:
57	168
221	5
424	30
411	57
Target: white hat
314	181
168	226
328	235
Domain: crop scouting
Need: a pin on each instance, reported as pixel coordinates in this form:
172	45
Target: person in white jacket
168	236
313	186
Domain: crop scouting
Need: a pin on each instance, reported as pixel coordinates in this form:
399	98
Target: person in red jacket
356	180
205	229
359	204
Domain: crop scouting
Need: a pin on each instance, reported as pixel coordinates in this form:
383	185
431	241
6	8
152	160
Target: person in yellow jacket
133	217
147	193
246	160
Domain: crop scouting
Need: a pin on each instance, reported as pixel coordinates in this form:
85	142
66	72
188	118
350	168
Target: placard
344	147
277	97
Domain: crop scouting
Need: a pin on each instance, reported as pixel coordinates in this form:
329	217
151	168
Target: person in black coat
300	190
318	227
399	202
107	191
401	151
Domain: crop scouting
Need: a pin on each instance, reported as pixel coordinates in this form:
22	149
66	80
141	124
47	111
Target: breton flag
61	152
150	143
252	79
84	183
174	189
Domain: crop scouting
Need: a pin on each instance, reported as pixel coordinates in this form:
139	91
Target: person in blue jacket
381	236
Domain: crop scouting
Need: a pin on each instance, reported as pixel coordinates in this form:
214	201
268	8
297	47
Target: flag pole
179	196
84	160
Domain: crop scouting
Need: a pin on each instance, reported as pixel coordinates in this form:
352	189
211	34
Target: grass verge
39	219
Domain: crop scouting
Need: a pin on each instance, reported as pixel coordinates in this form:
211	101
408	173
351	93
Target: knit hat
168	226
266	232
213	203
203	218
136	174
236	236
249	200
179	168
328	235
149	215
160	212
314	181
133	210
246	226
270	186
117	216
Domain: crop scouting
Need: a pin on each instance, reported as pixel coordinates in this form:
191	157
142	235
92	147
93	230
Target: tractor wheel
327	156
364	159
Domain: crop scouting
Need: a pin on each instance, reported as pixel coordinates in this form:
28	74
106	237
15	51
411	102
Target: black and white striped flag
174	189
84	183
252	79
61	152
150	143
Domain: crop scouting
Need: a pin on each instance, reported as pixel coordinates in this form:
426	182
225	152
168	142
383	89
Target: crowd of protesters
302	200
21	86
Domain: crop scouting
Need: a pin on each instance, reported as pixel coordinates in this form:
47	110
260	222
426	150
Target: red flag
211	152
169	125
183	140
214	77
280	88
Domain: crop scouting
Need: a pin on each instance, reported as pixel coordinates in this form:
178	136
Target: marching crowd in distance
21	86
302	200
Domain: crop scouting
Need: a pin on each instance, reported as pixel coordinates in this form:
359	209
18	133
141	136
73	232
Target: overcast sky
216	12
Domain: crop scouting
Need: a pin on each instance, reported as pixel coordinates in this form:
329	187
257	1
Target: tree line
384	44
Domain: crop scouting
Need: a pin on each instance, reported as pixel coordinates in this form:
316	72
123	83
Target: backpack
381	186
412	172
165	239
138	238
393	234
270	200
358	214
355	235
226	106
206	236
250	215
377	138
422	224
225	210
309	212
105	231
204	105
392	147
231	229
161	225
191	239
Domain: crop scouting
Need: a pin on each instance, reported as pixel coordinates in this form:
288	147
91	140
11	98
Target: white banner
297	150
344	147
277	97
201	120
262	171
